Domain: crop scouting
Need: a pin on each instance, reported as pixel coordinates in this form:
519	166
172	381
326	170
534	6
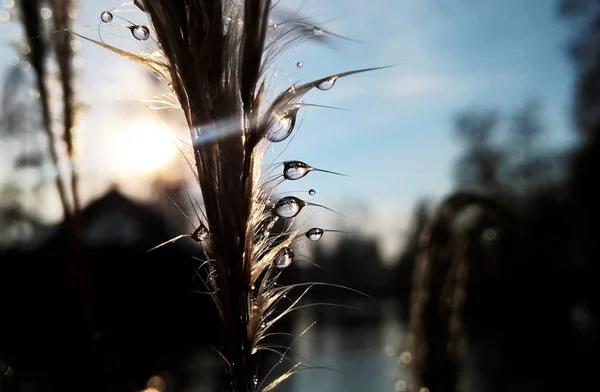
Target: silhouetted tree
479	167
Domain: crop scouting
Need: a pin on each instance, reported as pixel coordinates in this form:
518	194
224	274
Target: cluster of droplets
139	32
289	207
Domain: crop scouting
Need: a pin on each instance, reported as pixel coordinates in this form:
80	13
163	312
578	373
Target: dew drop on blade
315	234
299	64
327	84
284	258
255	380
312	192
106	17
288	207
281	128
139	32
295	170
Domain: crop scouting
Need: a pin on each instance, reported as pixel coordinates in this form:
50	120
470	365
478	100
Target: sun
144	149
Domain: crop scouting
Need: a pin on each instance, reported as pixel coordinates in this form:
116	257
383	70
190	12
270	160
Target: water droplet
288	207
255	380
275	26
315	234
263	325
4	16
200	234
318	31
489	235
46	13
312	192
281	127
327	84
139	32
400	386
299	64
284	258
405	357
106	17
272	222
295	170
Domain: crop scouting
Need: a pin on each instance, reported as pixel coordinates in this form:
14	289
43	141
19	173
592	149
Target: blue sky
395	138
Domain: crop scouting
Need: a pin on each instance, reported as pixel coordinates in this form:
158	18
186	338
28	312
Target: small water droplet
272	222
4	16
263	325
315	234
295	170
327	84
312	192
46	13
200	234
489	234
281	127
106	17
405	357
267	233
139	32
284	258
318	31
400	386
275	26
288	207
299	64
252	288
255	380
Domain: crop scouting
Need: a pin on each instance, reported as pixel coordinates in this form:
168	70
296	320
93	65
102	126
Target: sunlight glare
144	149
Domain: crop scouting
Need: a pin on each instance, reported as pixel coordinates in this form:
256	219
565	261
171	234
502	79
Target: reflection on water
359	347
355	349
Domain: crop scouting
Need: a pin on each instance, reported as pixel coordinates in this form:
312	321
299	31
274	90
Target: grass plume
39	48
463	244
64	59
214	56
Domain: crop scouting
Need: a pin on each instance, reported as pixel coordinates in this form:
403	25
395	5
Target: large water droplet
299	64
139	32
281	127
284	258
295	170
315	234
288	207
327	84
106	17
312	192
